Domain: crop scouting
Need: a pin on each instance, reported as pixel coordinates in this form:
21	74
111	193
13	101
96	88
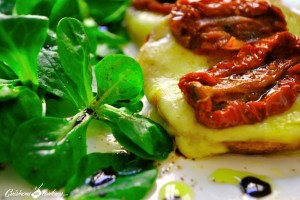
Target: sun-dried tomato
158	6
262	80
205	26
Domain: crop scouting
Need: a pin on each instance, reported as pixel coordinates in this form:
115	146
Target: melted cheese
140	23
164	62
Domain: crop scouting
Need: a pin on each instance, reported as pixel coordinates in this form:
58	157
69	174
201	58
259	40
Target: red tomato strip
206	26
261	81
162	7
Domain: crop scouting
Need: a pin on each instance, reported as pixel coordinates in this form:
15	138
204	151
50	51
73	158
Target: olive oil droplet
176	190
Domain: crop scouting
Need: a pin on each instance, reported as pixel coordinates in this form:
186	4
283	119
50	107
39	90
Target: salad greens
6	6
53	9
52	145
20	53
59	70
72	43
113	11
14	103
115	80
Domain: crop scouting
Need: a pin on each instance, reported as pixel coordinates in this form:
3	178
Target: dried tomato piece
158	6
262	80
205	26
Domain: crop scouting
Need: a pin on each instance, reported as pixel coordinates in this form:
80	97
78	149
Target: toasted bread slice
164	62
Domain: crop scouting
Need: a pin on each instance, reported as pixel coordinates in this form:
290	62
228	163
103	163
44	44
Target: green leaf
8	92
50	42
65	8
21	40
109	43
120	164
104	36
13	112
6	6
134	187
138	134
104	40
35	7
119	78
46	150
91	32
107	11
53	78
14	82
55	10
58	107
73	50
6	72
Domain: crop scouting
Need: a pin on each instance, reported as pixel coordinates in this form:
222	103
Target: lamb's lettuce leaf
46	150
107	11
59	107
54	102
17	104
119	78
138	134
35	7
7	6
6	72
53	78
64	70
65	8
55	10
73	50
22	37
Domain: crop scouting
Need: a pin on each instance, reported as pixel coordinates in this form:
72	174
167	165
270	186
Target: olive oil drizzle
176	190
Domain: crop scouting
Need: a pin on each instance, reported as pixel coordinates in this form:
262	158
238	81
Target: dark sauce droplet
89	111
47	46
80	119
101	178
255	187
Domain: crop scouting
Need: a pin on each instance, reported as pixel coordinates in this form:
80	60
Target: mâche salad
63	66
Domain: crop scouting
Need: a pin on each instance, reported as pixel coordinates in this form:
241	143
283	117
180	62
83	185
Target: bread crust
260	147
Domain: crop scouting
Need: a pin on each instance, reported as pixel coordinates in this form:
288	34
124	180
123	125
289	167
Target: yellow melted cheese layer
164	62
140	23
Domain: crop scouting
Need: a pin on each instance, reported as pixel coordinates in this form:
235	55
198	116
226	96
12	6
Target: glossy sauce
251	184
255	187
101	178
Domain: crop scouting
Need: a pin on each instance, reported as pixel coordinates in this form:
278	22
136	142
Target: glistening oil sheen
250	184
